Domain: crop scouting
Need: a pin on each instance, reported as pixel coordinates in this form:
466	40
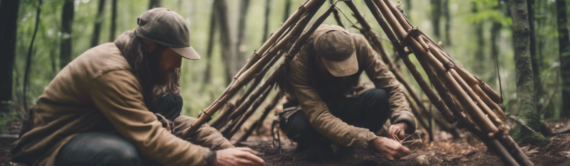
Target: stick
259	122
273	77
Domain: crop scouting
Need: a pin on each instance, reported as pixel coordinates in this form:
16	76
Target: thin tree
154	3
30	49
266	19
479	52
66	30
408	6
97	25
225	38
564	53
241	40
8	29
533	55
210	48
435	17
527	112
447	25
287	8
113	27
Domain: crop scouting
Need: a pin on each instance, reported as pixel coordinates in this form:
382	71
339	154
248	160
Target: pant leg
300	130
98	149
369	110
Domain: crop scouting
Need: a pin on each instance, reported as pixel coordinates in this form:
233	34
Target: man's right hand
237	156
391	149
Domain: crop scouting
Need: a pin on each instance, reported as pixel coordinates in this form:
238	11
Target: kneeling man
119	104
328	104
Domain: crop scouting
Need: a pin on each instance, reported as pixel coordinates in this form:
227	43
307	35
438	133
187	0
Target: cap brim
343	68
187	52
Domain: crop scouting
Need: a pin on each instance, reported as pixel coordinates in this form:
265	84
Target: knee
120	154
377	95
298	126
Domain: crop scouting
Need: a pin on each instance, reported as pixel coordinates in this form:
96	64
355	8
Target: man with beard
327	104
119	104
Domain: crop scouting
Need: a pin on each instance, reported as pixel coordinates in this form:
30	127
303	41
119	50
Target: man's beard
161	78
164	78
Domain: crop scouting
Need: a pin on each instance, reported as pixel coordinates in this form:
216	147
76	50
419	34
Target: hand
237	156
391	149
397	131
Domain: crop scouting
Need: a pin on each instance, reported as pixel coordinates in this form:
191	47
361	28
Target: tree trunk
98	22
524	75
564	53
266	19
533	55
211	34
66	29
154	3
8	29
226	39
287	8
241	41
435	17
29	58
113	21
495	35
447	16
479	52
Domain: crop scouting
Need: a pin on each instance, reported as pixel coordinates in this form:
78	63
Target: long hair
145	66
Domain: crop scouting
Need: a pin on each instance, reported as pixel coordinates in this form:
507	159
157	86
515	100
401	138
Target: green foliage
198	95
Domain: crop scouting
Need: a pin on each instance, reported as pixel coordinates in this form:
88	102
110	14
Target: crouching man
119	104
327	104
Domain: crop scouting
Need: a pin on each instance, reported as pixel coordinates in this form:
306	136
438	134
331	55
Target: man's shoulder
100	60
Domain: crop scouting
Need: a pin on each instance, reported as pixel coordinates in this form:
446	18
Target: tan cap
166	27
335	47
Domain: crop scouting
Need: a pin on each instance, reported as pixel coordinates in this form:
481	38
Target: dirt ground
442	151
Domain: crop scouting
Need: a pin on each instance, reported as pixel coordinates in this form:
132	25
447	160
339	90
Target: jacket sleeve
318	113
205	135
117	94
383	78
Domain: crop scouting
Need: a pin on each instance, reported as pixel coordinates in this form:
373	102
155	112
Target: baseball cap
335	47
166	27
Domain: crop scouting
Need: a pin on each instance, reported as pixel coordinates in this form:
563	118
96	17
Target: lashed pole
280	70
247	73
458	80
294	33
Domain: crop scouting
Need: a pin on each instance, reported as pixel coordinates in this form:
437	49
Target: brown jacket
313	94
97	91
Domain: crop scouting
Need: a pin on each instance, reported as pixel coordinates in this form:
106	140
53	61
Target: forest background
477	34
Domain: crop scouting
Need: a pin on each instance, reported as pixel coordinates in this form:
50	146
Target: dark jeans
368	110
110	148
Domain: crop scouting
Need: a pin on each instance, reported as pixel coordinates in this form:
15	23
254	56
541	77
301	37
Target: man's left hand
397	131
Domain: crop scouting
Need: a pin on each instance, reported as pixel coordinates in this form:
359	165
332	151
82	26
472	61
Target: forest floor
444	150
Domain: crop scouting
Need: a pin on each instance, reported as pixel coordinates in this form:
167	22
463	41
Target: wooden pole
259	122
271	79
453	79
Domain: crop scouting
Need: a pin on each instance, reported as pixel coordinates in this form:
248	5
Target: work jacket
313	93
98	91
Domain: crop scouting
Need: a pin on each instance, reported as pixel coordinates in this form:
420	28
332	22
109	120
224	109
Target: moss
524	136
